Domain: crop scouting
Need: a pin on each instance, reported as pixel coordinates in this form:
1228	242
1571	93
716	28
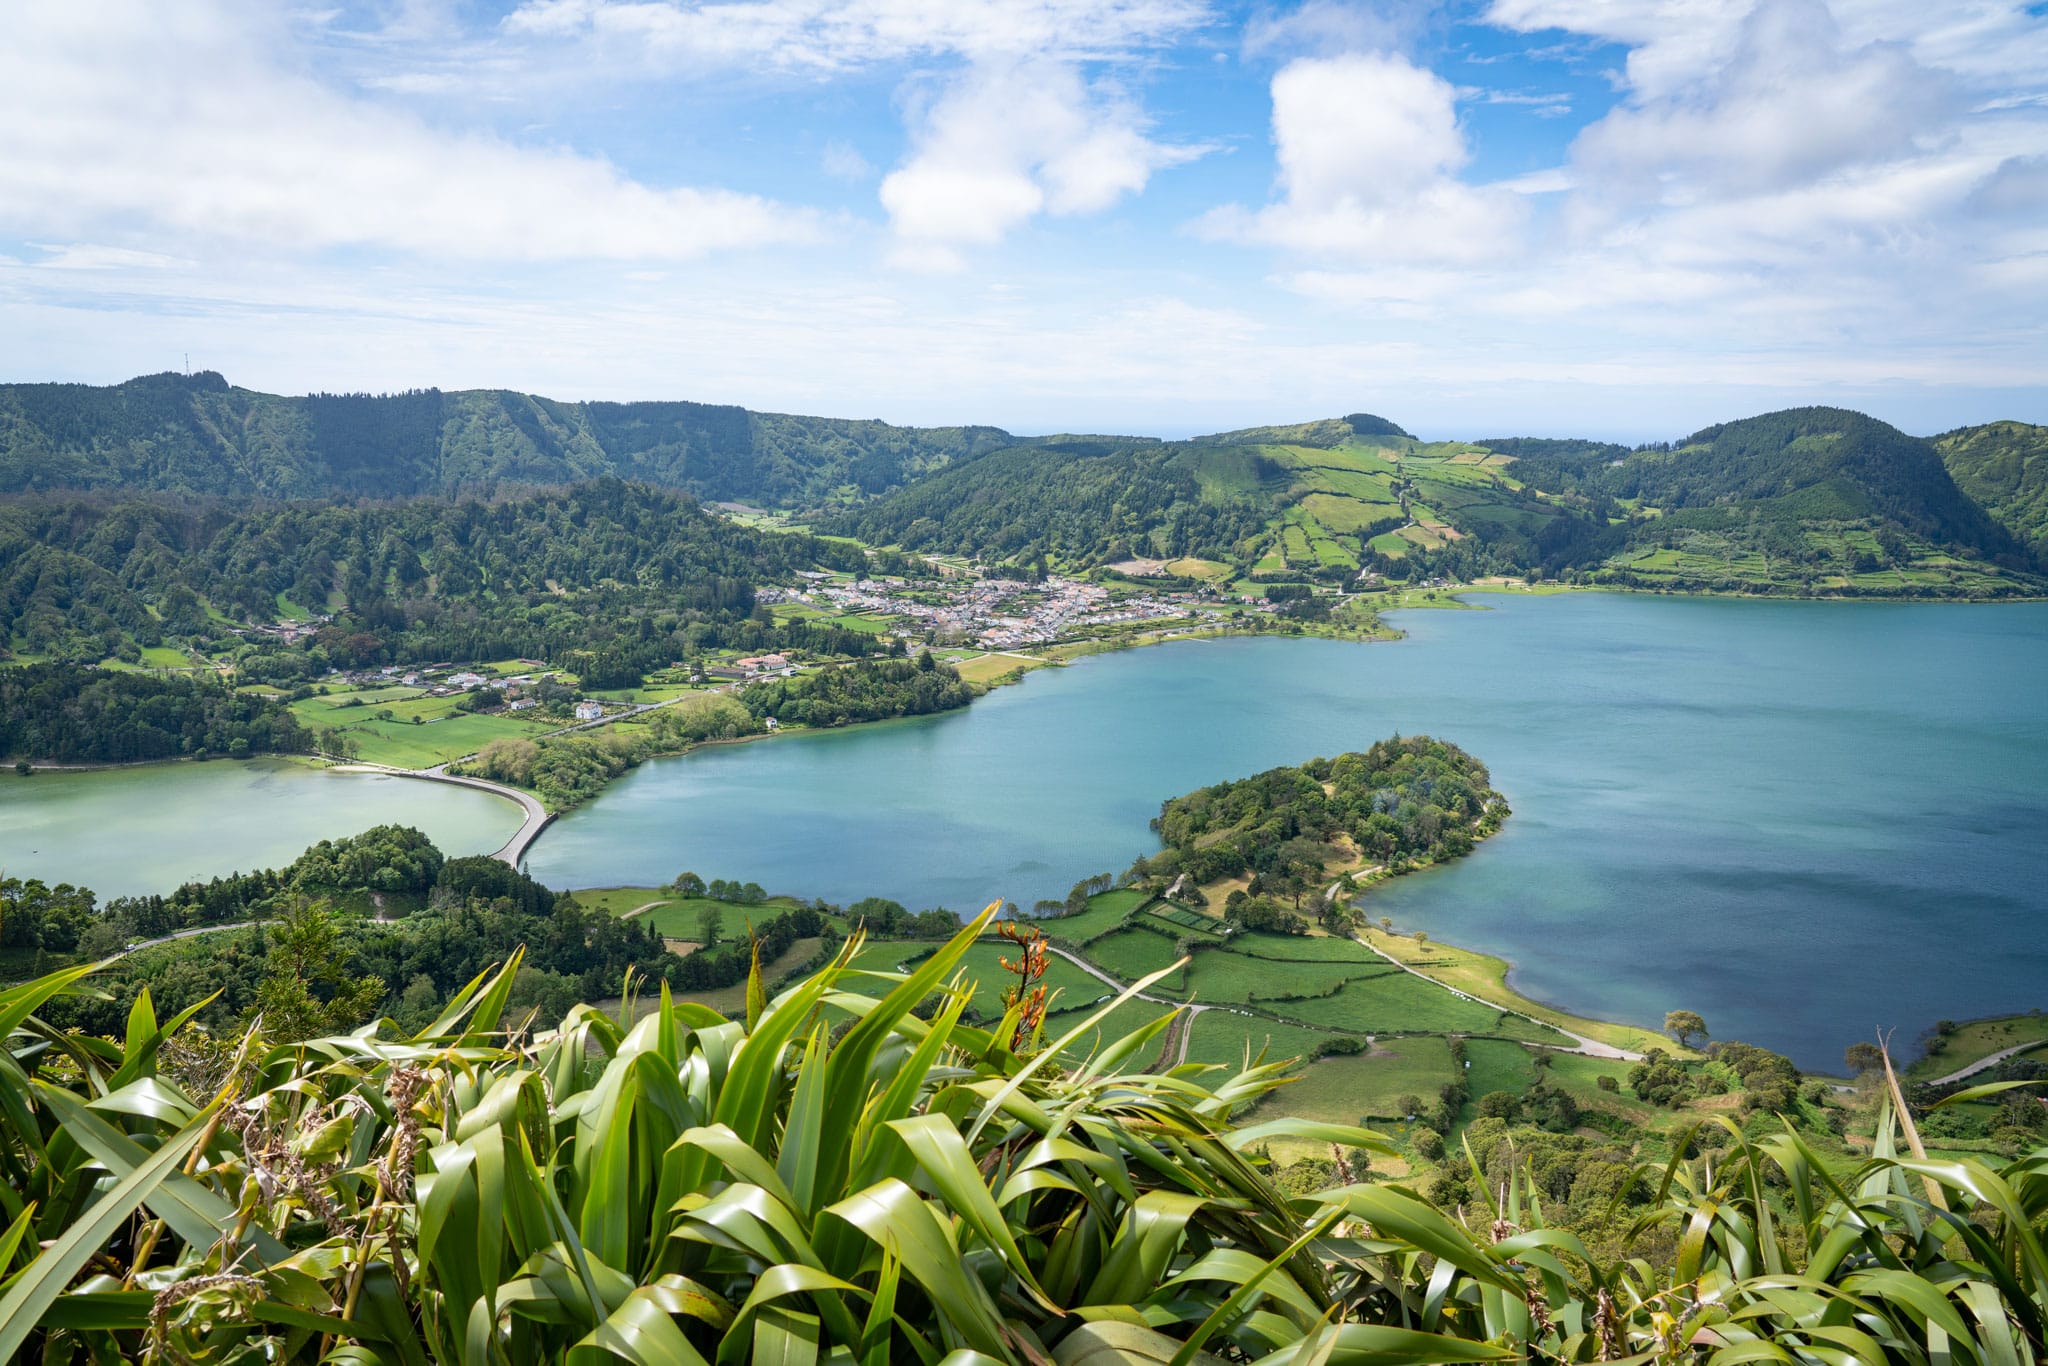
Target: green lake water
129	831
1804	820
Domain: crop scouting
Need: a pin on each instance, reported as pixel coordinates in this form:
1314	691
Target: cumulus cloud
1369	149
1792	100
1001	144
184	121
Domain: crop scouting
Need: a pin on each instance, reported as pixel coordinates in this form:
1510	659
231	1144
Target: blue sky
1619	218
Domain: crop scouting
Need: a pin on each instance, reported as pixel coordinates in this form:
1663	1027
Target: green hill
199	434
2004	466
1804	500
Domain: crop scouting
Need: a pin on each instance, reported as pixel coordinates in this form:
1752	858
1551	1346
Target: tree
1863	1057
710	924
687	884
1683	1026
307	990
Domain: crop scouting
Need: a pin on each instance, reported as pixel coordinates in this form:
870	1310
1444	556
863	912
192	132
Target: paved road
187	934
1985	1064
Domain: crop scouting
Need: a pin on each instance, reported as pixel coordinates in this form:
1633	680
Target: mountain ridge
199	434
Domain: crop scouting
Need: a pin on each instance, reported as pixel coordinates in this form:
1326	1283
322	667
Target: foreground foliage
853	1174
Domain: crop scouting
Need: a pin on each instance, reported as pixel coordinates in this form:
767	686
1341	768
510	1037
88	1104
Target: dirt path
644	909
1985	1064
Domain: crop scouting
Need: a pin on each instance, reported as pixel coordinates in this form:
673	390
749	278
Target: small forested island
1288	832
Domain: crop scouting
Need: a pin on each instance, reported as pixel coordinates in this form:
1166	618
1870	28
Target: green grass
1294	948
1221	1035
403	745
164	657
1223	976
1349	1090
1494	1066
1130	954
1397	1002
1104	912
683	917
992	668
617	900
1978	1039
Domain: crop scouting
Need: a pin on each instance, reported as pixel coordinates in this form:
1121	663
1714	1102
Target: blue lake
1804	820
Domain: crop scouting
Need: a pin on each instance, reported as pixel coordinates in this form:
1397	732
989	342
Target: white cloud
999	145
837	34
184	121
1369	148
1792	100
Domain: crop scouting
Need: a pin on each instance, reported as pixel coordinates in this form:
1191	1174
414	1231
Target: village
996	613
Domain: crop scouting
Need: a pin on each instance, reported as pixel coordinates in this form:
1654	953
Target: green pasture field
987	669
1495	1066
617	900
1221	975
403	745
680	918
1191	567
1104	911
1295	948
165	657
1399	1002
1365	1087
1221	1035
1131	954
1345	514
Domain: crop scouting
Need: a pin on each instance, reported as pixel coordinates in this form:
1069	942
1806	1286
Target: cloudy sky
1620	218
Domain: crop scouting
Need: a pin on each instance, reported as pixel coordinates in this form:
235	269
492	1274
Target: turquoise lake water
1803	820
130	831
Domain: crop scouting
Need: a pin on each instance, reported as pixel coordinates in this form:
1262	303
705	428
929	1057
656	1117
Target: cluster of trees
866	690
311	969
610	579
1769	1082
568	769
68	713
1401	801
197	434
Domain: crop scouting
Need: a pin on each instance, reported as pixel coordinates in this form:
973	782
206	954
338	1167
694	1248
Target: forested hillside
629	575
2004	466
68	713
198	434
1072	502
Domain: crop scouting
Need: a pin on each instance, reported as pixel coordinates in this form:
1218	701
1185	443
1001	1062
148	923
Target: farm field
403	745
